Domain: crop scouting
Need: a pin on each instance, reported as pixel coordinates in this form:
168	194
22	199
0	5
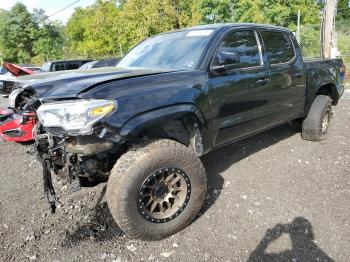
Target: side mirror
225	59
228	58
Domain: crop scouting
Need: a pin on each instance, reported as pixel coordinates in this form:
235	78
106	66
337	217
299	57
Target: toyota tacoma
173	98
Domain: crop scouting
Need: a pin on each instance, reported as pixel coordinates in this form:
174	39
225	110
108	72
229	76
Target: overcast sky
50	6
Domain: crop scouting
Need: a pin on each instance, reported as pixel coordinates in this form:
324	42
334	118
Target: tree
112	27
75	29
144	18
277	12
26	37
216	11
103	30
95	30
188	12
49	38
250	11
18	34
3	17
343	10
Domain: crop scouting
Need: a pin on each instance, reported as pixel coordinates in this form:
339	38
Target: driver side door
239	87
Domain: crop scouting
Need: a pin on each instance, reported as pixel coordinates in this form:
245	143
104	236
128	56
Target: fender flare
335	93
159	115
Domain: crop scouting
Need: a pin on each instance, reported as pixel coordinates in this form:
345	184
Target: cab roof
229	25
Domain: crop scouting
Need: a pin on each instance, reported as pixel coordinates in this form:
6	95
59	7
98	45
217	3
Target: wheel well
328	90
182	130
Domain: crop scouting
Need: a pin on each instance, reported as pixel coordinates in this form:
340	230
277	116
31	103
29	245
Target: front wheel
156	189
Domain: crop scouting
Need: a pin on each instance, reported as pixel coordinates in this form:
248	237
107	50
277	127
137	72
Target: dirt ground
272	197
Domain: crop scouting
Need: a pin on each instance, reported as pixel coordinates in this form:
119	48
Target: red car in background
16	126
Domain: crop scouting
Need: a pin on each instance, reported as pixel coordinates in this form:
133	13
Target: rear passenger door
288	77
239	89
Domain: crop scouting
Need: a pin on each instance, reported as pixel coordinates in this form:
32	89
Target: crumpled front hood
68	84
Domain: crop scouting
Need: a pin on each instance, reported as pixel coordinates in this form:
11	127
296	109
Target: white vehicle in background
12	71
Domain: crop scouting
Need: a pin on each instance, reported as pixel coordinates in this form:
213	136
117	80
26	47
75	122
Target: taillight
342	72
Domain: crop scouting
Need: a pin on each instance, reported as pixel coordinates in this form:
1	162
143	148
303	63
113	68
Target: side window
73	65
241	48
278	46
59	67
100	64
111	62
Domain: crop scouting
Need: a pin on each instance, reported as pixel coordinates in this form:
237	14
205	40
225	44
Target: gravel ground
272	197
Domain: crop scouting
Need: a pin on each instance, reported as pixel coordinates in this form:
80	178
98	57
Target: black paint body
228	105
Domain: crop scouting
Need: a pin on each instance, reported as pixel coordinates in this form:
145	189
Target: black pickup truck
171	99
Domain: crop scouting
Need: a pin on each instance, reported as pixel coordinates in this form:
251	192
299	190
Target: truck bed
321	72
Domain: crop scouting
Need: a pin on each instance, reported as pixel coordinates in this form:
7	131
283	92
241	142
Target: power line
59	11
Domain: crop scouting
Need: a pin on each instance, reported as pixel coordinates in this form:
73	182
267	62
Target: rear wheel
156	189
316	125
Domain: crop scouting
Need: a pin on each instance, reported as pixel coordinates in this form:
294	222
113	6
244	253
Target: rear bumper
15	127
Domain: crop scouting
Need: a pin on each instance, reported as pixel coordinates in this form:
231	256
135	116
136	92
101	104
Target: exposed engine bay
80	160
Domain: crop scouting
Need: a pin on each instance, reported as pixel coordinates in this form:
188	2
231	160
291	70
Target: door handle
299	75
262	81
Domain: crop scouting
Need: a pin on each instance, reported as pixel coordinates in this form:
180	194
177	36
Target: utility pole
328	27
298	28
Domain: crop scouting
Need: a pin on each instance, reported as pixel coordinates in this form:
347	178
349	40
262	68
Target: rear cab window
72	65
278	47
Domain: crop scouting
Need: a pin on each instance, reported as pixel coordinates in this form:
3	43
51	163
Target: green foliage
112	27
343	37
310	40
216	11
343	10
94	31
250	11
49	40
26	37
276	12
144	18
3	18
344	44
18	34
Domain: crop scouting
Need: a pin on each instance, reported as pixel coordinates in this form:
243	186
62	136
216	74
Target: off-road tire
312	125
134	167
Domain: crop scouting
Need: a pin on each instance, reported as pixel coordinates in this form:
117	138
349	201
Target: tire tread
126	161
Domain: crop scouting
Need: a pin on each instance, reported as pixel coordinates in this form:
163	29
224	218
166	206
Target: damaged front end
72	144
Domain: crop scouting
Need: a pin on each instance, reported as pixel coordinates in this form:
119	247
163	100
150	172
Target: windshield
46	67
178	50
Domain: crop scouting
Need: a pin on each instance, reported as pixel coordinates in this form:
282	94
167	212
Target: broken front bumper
17	127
